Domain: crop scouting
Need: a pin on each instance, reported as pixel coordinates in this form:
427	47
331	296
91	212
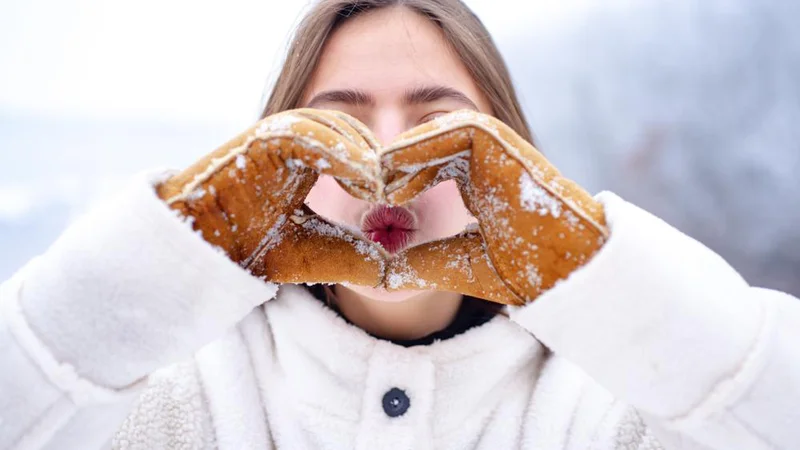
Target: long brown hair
461	27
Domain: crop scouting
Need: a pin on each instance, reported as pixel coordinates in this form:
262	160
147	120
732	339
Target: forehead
386	52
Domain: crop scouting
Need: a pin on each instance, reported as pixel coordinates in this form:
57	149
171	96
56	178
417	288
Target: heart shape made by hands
534	226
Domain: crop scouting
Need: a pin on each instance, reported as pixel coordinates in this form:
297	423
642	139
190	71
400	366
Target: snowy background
689	108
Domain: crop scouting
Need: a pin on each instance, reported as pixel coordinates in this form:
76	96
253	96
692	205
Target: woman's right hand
247	198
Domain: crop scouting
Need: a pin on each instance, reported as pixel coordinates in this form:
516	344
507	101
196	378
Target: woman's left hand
535	227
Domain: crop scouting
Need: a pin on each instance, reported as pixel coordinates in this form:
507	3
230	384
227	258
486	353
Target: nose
387	124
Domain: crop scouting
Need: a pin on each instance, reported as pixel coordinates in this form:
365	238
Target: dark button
395	402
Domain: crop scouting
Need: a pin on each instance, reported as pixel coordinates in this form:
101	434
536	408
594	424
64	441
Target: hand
535	227
246	198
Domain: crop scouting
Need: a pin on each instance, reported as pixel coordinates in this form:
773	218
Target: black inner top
470	314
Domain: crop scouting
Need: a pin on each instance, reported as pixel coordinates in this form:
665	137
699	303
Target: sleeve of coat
668	326
127	289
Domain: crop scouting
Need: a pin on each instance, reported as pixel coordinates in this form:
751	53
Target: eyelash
428	118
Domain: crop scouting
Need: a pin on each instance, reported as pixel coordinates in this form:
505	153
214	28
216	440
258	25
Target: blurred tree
689	109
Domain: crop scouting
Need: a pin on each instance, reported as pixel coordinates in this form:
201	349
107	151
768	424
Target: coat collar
322	331
295	352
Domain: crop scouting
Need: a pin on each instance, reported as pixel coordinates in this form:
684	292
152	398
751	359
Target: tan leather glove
247	198
535	227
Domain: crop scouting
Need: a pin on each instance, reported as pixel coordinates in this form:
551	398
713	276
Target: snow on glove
535	227
247	196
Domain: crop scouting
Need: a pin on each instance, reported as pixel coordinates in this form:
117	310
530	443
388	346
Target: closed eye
433	116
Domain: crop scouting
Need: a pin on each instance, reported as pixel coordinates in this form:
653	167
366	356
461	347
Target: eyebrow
348	96
427	94
414	96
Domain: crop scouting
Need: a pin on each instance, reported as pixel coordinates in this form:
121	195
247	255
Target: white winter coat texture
132	332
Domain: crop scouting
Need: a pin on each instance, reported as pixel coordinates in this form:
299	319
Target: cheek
330	201
442	212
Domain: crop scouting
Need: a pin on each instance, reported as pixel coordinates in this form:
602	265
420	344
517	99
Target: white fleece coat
132	332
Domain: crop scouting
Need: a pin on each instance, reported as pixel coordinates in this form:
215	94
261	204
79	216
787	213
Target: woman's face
392	69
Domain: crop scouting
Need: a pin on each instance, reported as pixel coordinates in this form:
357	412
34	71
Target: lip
392	227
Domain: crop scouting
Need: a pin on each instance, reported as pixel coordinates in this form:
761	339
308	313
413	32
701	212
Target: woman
136	330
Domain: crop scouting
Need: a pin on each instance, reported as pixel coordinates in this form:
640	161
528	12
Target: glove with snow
535	227
246	198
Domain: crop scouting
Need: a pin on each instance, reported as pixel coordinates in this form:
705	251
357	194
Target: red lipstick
392	227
